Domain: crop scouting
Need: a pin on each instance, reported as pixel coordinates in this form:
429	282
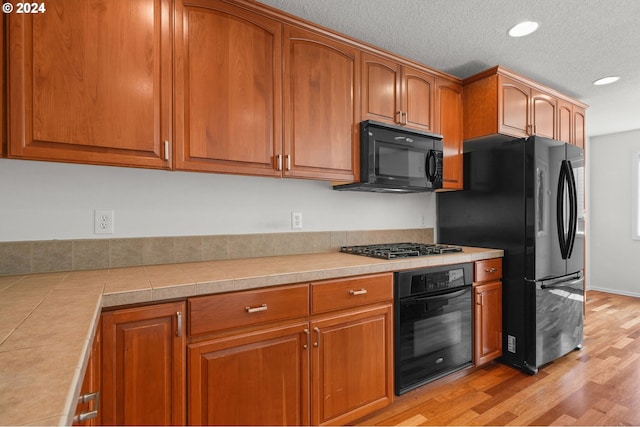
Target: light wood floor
597	385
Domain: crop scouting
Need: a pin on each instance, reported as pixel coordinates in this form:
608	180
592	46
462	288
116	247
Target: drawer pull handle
359	292
490	270
263	307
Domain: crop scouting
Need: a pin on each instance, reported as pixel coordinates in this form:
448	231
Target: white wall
613	262
44	201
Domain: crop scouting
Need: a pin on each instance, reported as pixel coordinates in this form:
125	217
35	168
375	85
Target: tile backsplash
66	255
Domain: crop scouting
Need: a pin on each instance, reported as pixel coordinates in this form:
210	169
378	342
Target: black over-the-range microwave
395	159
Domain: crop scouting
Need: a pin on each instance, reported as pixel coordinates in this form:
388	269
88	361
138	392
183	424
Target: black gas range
400	250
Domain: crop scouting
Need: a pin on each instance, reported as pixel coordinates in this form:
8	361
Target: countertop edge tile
226	276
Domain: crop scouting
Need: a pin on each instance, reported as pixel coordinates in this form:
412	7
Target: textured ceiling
578	41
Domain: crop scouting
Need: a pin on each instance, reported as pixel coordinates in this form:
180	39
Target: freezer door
559	317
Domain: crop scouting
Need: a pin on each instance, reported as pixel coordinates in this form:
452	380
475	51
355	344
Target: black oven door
433	337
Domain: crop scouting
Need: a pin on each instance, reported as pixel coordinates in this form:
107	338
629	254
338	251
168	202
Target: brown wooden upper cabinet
231	86
571	123
228	102
449	118
90	82
397	94
321	83
499	101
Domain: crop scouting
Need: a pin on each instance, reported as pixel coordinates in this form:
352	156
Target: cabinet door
143	366
488	322
90	82
578	126
351	365
565	123
449	122
228	89
381	86
88	411
513	107
255	378
544	116
321	81
418	93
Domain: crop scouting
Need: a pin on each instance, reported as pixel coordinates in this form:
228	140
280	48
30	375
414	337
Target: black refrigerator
526	196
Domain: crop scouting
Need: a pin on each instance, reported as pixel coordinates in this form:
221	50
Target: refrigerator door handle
560	213
573	209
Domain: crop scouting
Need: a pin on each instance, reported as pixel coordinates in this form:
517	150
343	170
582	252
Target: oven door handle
437	297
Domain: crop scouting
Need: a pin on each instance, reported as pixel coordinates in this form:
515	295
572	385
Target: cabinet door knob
317	331
263	307
279	162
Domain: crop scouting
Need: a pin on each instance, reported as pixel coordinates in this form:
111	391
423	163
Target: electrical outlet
103	222
296	220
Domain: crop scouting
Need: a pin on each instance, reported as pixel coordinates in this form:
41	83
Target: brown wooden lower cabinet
329	367
487	302
143	366
254	378
352	372
88	411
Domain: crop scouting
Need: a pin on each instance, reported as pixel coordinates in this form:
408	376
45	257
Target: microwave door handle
431	166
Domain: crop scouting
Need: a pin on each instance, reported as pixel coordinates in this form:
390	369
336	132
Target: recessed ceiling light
606	80
523	29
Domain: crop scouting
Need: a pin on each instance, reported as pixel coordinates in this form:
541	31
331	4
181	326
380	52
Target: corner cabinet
487	302
91	83
321	83
397	94
499	101
88	411
143	366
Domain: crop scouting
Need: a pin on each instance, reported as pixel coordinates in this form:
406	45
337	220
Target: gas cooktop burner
400	250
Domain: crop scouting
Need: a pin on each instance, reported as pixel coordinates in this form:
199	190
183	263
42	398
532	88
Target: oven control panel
433	279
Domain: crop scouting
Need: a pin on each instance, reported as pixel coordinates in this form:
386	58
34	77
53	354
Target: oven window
436	333
399	161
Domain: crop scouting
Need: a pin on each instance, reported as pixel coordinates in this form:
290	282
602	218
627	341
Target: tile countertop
47	321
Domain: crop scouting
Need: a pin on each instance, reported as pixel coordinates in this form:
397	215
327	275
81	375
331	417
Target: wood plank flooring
597	385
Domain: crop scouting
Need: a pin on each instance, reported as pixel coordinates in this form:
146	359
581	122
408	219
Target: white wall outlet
296	220
103	222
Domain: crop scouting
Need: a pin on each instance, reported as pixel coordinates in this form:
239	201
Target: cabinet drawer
352	292
218	312
487	270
